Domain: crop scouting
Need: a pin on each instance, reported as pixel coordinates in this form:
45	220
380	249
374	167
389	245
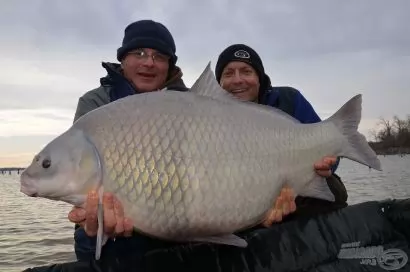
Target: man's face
241	80
146	68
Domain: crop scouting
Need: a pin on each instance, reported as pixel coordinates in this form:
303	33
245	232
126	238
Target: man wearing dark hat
147	63
239	70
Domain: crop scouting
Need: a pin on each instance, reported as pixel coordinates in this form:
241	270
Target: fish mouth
28	191
25	186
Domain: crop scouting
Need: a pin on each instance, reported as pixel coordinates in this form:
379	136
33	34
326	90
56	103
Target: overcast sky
51	53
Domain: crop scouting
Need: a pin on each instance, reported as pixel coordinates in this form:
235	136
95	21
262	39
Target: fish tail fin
347	120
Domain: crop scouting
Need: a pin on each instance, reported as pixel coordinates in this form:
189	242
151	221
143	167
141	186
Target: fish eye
46	163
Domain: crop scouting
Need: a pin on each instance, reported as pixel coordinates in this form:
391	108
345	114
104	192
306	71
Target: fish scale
153	193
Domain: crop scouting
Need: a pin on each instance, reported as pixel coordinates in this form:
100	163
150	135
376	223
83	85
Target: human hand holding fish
323	167
115	224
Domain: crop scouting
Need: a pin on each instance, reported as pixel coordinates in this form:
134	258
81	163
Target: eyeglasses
142	55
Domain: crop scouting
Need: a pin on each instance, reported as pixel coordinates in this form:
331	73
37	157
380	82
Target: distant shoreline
381	149
11	169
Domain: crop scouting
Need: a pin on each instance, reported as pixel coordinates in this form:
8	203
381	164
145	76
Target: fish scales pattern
188	168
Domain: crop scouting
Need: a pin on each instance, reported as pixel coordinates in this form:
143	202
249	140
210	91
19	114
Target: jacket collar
121	87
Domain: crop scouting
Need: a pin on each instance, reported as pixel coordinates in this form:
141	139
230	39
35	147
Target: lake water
35	232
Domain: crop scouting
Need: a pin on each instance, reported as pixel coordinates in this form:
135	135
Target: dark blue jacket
292	102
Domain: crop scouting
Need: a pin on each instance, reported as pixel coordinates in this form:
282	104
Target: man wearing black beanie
240	70
148	60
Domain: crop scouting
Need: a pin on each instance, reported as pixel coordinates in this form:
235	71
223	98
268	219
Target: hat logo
242	54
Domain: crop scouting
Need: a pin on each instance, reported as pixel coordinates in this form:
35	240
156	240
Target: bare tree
392	135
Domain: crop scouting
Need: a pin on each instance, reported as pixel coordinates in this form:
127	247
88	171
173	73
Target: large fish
193	166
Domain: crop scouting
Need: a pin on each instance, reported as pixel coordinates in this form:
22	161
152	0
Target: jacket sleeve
304	111
338	189
309	206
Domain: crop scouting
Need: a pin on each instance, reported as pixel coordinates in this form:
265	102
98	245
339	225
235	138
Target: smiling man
148	63
240	71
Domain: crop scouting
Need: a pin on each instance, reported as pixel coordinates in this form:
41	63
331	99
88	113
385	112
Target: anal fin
318	188
229	239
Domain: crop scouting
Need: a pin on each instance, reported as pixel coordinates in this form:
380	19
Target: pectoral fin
102	238
229	239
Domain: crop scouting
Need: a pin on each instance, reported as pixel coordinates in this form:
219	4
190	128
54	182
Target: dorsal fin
207	85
